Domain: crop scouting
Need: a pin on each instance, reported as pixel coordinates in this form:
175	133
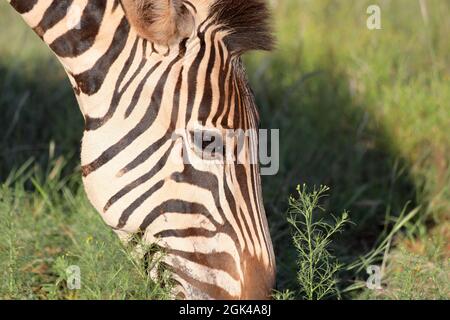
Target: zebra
148	75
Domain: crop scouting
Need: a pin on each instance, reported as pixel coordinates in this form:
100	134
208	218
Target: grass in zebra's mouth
363	112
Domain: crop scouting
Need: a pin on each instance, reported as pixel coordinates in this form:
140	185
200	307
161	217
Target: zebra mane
248	22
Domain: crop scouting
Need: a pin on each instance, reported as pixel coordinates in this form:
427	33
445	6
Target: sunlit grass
45	231
364	112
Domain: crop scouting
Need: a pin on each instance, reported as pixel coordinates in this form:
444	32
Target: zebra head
159	82
224	249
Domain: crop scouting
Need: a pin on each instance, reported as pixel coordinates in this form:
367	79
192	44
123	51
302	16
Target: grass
46	231
364	112
317	267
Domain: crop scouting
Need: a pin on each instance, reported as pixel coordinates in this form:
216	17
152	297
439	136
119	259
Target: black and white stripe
135	96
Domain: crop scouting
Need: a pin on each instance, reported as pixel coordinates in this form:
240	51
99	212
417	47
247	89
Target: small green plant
283	295
317	267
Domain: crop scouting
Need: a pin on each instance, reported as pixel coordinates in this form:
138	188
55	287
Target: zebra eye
207	144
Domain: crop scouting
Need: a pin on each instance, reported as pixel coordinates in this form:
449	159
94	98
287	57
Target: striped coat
149	76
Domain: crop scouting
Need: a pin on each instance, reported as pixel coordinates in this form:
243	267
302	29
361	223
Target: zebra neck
78	32
87	36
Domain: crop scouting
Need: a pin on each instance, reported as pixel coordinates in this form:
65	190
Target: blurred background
365	112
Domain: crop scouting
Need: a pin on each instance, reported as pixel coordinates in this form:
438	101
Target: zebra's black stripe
54	14
80	39
91	80
23	6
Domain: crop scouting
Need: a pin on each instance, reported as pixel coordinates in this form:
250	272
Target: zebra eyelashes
208	144
225	147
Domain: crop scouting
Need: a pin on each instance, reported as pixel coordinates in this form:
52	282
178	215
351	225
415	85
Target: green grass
364	112
317	268
45	231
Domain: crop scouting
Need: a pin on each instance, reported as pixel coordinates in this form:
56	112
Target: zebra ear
162	21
